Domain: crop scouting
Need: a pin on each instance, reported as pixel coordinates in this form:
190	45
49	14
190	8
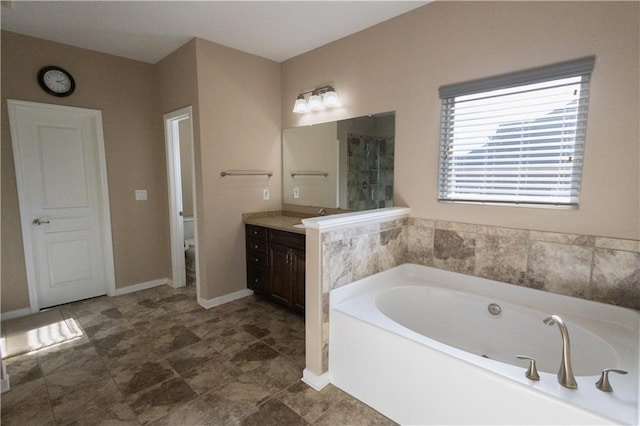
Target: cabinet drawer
257	279
255	259
256	246
287	239
256	232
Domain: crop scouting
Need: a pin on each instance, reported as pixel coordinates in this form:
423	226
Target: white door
62	190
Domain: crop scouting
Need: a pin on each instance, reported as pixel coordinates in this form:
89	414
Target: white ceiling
150	30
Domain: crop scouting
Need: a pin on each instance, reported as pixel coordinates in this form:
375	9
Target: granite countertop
279	222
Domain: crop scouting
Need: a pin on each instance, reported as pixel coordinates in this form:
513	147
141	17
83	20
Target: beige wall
236	124
399	65
239	97
126	93
178	85
239	113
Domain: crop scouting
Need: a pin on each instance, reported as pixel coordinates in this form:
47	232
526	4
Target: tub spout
565	374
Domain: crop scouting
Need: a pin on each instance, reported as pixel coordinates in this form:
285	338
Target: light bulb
315	102
301	105
331	99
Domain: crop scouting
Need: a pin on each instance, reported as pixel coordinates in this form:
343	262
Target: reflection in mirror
346	164
307	154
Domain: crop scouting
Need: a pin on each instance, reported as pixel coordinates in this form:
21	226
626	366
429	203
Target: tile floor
157	357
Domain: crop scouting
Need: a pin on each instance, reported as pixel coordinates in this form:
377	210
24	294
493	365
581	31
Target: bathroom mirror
346	164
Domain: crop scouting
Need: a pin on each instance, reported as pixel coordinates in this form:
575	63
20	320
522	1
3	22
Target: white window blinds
516	138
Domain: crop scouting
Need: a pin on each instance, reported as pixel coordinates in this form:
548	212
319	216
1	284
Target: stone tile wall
355	253
602	269
595	268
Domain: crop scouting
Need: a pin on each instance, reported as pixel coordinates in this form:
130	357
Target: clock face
56	81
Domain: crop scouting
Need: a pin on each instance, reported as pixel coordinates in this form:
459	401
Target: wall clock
56	81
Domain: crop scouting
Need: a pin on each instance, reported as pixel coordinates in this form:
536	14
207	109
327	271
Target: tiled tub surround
595	268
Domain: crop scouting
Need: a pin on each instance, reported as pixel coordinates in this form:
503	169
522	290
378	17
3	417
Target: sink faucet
322	212
565	374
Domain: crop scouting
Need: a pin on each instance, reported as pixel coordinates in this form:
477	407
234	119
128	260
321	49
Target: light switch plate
265	194
141	194
296	192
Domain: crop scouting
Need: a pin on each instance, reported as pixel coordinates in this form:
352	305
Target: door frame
174	184
25	208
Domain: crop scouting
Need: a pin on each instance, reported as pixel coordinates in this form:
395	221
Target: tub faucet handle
603	384
532	371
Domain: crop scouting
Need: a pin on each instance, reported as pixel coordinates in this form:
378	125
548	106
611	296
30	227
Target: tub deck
414	379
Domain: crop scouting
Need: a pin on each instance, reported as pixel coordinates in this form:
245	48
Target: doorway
182	207
63	199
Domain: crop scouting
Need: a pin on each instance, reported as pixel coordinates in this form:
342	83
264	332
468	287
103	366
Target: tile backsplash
595	268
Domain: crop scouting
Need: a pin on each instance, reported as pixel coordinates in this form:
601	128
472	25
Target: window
516	138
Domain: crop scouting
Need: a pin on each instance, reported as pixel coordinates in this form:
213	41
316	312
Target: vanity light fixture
321	98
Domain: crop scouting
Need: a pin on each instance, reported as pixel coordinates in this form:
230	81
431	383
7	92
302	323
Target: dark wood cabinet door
280	288
298	279
276	265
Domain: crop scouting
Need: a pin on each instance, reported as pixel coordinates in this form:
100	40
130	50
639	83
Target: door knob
39	221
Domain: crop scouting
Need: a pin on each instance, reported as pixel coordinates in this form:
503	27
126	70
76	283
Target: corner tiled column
314	374
341	249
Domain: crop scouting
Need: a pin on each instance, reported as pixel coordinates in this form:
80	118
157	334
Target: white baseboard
312	379
142	286
216	301
119	291
15	314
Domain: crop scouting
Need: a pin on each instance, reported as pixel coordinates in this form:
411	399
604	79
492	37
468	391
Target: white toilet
189	244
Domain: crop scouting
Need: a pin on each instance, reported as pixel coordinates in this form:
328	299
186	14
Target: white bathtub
410	343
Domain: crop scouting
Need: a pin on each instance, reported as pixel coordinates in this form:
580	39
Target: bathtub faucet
565	374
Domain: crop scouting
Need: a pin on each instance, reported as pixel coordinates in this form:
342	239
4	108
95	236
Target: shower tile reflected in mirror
370	172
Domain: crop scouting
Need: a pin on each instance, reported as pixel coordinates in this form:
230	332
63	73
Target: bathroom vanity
276	259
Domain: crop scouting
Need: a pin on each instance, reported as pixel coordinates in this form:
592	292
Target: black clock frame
44	70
